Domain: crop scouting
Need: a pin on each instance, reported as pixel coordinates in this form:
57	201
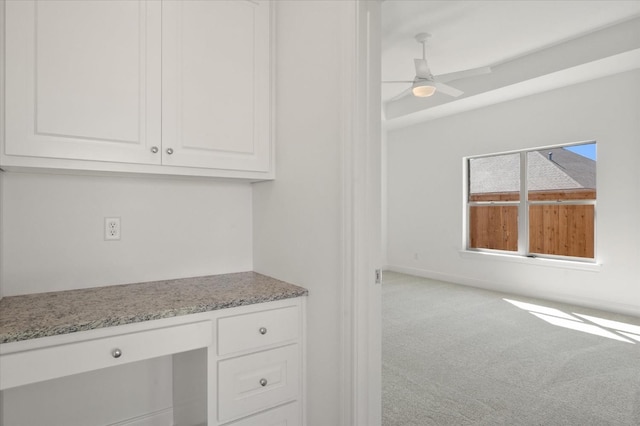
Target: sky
587	150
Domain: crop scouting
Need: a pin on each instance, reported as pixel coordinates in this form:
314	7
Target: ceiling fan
426	84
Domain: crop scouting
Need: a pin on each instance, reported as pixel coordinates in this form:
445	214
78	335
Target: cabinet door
83	79
216	84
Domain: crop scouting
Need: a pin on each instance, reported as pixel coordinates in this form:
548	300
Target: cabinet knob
154	149
263	330
169	151
116	353
263	382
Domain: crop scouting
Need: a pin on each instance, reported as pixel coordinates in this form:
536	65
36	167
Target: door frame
362	191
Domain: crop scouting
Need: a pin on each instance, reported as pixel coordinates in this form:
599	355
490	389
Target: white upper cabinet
215	84
163	87
83	80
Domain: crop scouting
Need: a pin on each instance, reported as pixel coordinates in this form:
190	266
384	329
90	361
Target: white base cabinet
142	86
256	379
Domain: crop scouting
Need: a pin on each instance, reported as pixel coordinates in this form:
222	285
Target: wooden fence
558	229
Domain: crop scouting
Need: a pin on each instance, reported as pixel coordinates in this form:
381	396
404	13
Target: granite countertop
49	314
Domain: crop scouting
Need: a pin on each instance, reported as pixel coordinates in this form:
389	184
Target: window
534	203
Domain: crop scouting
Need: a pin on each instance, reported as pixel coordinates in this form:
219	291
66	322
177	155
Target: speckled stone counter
49	314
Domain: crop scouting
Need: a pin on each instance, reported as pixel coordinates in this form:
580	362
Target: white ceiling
470	34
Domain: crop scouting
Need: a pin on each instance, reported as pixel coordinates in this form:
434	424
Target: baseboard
425	273
614	307
157	418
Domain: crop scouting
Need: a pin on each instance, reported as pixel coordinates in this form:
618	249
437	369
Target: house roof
549	169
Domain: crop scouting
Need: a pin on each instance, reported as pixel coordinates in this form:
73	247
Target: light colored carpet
454	355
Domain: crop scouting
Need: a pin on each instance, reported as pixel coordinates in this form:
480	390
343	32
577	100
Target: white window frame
523	205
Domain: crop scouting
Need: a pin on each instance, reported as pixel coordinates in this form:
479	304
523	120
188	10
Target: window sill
537	261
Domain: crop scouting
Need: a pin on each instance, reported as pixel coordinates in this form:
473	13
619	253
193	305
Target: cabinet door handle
116	353
263	382
154	149
169	151
263	330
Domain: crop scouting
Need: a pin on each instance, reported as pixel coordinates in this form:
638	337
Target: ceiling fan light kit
423	89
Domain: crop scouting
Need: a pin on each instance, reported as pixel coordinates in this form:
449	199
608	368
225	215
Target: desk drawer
255	330
286	415
21	368
255	382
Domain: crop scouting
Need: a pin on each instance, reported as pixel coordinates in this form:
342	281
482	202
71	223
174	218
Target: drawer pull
116	353
263	382
263	330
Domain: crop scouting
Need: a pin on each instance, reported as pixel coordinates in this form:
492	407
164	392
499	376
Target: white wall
384	171
425	201
1	233
53	239
171	227
297	219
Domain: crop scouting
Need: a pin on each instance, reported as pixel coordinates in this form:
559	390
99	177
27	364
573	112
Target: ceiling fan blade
459	75
401	95
422	69
446	89
398	81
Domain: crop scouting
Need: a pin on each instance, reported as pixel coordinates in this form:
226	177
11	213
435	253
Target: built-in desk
244	332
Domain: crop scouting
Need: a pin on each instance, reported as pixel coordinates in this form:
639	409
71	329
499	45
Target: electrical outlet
111	228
